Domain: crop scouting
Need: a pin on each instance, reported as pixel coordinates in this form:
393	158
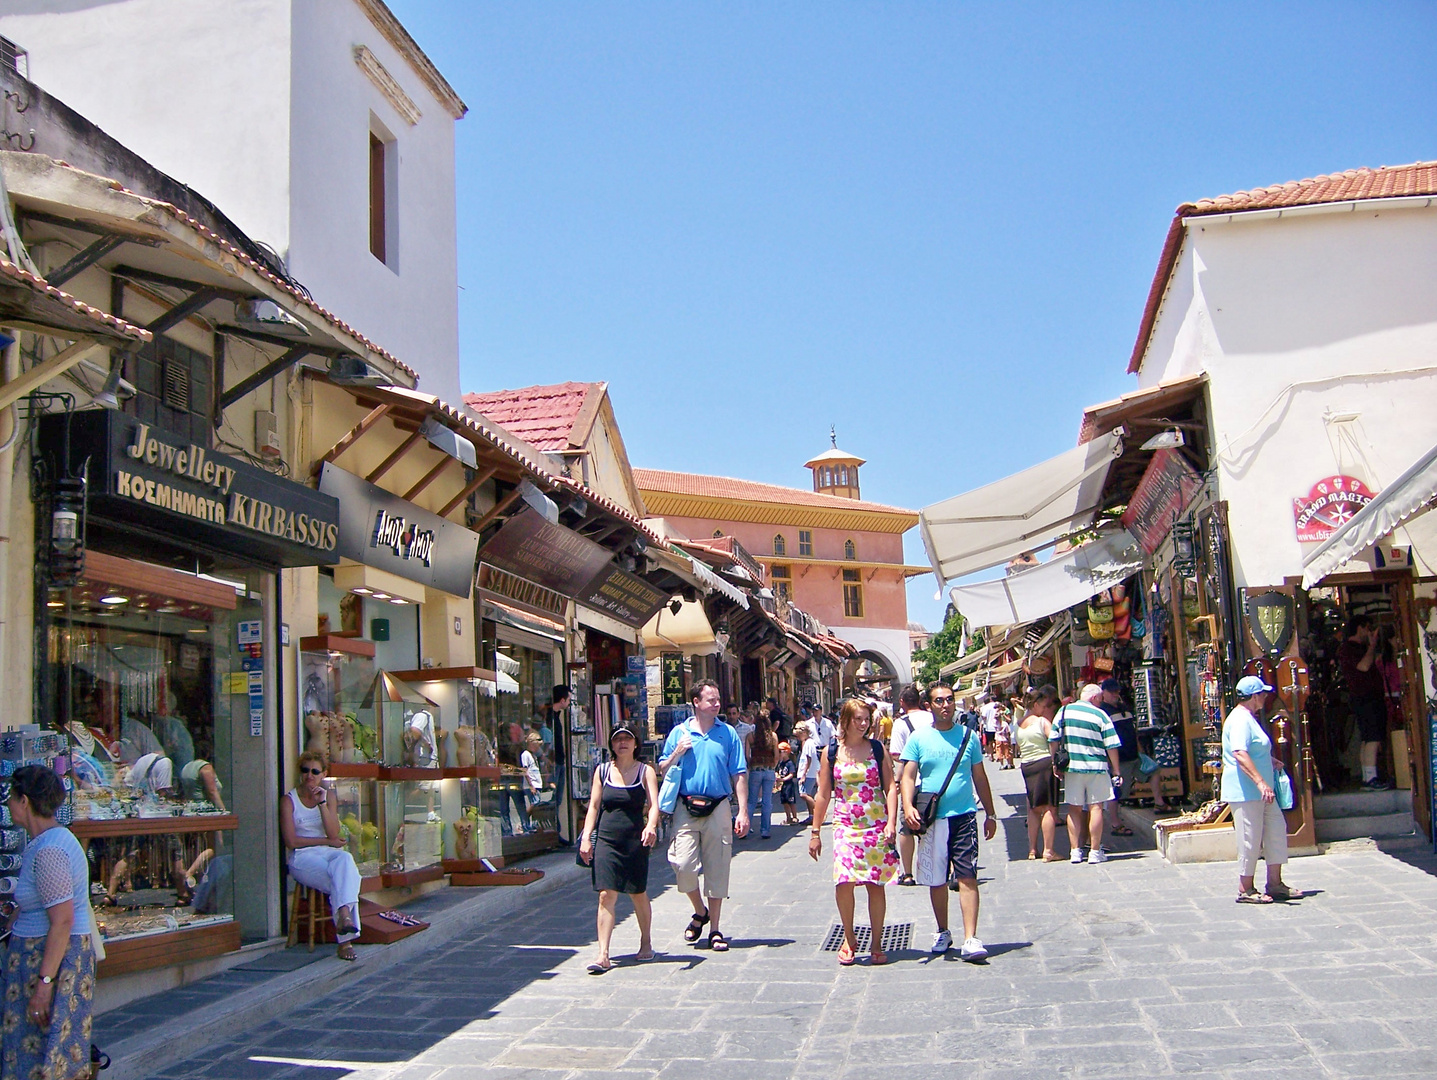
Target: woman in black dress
616	839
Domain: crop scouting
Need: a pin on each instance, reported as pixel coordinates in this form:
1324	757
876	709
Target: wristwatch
48	980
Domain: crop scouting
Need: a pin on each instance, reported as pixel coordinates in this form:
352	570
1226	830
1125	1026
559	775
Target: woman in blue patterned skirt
50	961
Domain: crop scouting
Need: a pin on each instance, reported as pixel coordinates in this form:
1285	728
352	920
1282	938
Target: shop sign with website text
1331	503
1169	483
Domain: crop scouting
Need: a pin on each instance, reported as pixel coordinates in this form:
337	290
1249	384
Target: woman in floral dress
856	774
50	960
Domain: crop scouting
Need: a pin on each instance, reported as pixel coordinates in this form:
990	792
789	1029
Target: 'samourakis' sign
1332	502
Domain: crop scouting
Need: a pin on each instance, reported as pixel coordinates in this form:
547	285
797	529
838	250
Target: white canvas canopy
1068	579
1022	512
1402	509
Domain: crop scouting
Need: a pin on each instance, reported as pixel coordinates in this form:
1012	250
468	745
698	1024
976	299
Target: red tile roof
1386	182
724	487
542	416
39	285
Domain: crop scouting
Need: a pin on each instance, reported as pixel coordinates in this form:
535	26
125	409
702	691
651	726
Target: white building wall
411	307
1294	318
200	89
260	107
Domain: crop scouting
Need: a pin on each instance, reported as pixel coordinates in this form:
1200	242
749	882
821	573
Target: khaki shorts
702	845
1087	788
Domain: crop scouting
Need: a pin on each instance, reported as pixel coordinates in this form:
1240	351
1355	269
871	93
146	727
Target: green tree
944	647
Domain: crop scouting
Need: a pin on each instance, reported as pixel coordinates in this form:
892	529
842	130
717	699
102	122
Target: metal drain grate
896	937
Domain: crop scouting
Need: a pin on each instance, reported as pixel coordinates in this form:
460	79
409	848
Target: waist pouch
701	805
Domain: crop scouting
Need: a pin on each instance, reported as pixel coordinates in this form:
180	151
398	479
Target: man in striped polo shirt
1092	744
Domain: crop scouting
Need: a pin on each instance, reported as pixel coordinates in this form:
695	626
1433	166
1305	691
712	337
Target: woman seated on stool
310	828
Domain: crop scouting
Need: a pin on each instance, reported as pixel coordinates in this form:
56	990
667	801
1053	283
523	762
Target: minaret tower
835	472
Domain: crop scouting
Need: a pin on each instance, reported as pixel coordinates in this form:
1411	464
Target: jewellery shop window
525	792
148	678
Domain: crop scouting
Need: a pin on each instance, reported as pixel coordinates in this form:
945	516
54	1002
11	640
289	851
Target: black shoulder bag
926	802
1061	758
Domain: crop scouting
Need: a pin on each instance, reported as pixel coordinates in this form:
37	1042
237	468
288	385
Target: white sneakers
1077	857
1097	855
972	949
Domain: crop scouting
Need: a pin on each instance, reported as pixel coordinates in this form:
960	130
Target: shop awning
1022	512
1066	580
1403	505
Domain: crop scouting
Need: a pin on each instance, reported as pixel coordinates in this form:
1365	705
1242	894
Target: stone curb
149	1052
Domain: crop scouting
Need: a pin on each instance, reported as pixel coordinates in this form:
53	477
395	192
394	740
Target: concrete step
1362	803
1365	825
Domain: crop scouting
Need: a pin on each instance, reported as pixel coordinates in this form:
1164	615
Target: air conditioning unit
266	434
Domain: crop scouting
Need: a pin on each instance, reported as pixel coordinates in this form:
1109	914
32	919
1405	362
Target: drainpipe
10	369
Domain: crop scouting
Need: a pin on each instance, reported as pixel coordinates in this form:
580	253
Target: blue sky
930	225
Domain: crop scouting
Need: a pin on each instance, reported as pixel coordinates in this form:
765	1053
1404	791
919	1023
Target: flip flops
599	969
1254	897
845	955
878	958
1121	830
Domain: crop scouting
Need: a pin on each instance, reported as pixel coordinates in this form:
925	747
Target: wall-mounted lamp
1165	440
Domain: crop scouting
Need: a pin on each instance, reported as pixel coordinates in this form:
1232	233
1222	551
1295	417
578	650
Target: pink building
828	551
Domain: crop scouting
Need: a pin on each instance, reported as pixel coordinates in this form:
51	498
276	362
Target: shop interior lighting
114	598
360	590
55	604
397	600
380	596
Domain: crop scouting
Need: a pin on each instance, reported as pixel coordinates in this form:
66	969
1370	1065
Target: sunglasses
307	771
941	701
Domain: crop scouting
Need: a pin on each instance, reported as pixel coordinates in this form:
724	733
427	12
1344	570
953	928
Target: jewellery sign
154	479
381	530
1332	503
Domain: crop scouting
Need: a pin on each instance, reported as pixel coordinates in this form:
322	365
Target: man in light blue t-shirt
947	854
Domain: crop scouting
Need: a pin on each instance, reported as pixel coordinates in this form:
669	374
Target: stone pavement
1133	968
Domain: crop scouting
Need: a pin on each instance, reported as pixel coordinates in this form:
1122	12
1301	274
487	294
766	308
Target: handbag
1061	758
1282	785
926	802
1146	766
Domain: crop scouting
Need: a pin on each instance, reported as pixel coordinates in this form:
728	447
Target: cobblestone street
1133	968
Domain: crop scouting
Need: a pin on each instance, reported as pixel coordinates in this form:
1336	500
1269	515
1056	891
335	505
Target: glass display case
462	702
406	723
413	827
356	802
336	673
154	883
472	829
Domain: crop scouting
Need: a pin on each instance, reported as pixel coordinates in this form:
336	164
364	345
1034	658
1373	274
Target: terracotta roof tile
724	487
542	416
1386	182
44	288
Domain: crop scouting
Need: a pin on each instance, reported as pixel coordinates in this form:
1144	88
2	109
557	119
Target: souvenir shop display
402	722
413	826
149	883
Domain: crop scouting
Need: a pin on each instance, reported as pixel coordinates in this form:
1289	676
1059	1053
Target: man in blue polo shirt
712	772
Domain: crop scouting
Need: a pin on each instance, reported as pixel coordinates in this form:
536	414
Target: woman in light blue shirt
50	959
1247	787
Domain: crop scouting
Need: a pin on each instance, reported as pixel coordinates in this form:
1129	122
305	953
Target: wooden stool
316	906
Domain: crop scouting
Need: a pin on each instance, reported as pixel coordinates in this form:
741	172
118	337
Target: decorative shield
1269	617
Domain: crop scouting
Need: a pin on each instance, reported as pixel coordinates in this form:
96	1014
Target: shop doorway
1335	703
